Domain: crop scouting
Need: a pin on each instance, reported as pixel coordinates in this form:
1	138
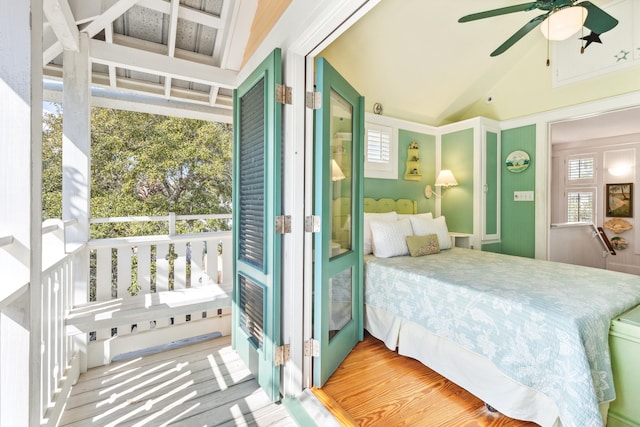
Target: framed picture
620	200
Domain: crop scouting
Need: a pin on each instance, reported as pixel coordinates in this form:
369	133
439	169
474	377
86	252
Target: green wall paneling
518	218
493	247
492	168
457	202
400	188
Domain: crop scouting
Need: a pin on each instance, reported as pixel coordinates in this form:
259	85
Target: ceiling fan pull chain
548	43
582	34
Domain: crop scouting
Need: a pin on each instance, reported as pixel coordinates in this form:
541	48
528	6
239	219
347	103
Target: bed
528	337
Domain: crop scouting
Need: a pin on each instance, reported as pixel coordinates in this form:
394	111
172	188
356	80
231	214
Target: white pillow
368	217
390	237
425	215
422	227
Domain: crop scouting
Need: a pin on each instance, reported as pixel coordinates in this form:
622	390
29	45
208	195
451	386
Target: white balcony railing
147	270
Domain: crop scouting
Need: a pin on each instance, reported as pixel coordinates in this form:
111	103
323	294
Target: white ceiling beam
108	37
52	92
62	22
172	34
107	17
162	49
220	54
239	33
184	12
153	63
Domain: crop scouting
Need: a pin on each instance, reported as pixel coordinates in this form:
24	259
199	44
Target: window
381	153
580	205
580	191
581	169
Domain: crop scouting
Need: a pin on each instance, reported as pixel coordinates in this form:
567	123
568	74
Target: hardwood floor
201	384
376	387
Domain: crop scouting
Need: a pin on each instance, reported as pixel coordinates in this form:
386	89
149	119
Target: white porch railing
58	355
133	269
143	271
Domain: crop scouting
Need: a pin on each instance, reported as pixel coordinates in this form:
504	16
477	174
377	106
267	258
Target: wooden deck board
194	385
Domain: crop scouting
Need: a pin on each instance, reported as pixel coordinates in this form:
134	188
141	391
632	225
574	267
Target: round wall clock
377	108
517	161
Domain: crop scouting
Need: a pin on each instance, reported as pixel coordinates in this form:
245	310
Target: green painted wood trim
334	350
457	154
297	412
270	70
518	218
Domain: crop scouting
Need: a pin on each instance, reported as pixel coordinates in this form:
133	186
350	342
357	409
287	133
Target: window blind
580	206
379	144
580	169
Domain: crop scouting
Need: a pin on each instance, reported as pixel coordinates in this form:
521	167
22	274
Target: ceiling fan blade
500	11
598	21
519	34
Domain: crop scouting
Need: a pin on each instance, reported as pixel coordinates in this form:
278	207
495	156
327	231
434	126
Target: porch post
20	211
76	168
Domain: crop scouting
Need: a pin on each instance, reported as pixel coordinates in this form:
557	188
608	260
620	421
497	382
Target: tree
144	165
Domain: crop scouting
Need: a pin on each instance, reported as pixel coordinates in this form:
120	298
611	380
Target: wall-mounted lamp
336	172
621	170
445	179
563	23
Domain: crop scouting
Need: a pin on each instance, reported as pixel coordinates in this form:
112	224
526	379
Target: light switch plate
523	196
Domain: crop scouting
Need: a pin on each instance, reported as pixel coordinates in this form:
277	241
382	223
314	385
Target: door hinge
312	224
283	94
311	348
283	224
314	100
281	354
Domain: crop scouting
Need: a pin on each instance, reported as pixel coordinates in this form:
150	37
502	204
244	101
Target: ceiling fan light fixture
562	24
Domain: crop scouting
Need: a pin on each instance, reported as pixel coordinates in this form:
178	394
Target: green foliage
52	165
146	165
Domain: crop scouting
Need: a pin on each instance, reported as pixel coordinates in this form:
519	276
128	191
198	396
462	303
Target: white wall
608	153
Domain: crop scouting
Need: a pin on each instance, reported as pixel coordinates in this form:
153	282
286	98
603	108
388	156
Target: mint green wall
518	218
401	188
457	202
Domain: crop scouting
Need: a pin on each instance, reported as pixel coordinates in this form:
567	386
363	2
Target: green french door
338	183
256	204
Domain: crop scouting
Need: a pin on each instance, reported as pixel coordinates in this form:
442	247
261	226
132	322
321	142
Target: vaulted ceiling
188	53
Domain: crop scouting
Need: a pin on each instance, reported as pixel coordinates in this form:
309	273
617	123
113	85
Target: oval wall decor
517	161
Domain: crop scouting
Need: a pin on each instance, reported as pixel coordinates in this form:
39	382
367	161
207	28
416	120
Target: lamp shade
445	179
564	23
336	172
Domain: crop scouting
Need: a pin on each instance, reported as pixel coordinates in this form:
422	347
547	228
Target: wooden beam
171	41
153	63
107	17
184	12
146	103
61	19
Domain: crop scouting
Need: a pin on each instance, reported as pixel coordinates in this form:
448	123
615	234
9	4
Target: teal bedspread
544	324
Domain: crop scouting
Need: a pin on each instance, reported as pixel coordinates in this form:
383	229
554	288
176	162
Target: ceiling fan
597	20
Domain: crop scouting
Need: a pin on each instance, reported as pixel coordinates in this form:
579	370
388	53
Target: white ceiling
605	125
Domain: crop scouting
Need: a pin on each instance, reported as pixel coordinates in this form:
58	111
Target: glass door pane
341	174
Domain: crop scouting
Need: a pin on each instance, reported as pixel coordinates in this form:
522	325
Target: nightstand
461	240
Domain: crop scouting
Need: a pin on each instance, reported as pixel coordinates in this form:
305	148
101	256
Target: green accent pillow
423	245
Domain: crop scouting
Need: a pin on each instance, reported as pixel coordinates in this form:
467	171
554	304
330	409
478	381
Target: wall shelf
413	172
